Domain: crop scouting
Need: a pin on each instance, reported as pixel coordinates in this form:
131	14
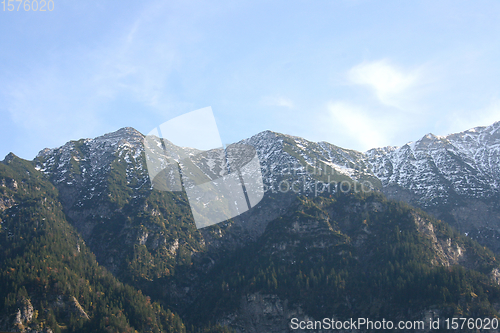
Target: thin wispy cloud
278	101
76	96
139	64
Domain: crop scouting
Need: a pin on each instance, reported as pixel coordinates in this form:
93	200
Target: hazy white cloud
357	125
391	85
278	101
367	124
460	121
488	115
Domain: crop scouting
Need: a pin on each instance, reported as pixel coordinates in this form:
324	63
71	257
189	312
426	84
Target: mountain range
407	233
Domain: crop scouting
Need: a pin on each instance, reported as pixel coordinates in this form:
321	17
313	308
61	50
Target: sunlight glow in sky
358	74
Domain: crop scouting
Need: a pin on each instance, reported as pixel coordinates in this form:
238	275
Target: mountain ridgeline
402	233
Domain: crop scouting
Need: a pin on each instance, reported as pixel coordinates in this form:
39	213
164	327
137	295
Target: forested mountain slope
49	280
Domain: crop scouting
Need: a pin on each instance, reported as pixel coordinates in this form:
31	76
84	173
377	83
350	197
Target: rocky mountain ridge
323	223
454	177
431	168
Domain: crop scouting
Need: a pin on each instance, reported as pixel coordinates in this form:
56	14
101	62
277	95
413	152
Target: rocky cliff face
264	313
455	177
21	319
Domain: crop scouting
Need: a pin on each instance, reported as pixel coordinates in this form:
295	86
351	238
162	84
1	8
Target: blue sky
358	74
